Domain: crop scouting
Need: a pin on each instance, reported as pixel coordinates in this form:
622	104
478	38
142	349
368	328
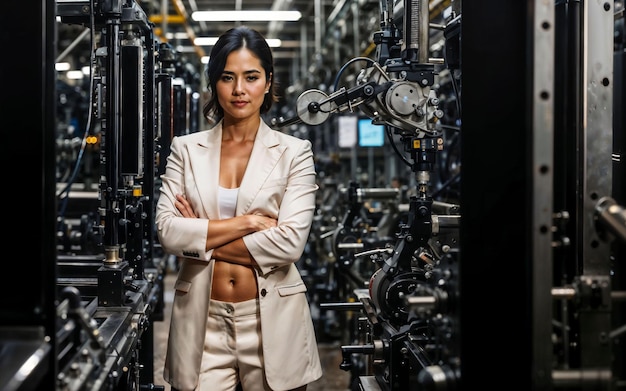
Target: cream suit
280	181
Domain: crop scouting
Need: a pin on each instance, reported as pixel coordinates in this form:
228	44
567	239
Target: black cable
343	68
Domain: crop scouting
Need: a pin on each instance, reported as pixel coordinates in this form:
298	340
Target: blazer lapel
205	163
265	155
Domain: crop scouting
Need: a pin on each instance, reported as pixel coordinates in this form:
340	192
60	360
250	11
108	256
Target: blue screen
370	135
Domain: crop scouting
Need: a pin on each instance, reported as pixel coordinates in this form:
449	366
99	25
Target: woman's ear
268	85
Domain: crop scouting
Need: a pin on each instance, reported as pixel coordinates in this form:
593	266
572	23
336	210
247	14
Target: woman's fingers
184	207
268	222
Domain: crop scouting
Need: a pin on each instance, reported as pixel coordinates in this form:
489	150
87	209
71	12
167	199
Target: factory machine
518	283
87	322
408	333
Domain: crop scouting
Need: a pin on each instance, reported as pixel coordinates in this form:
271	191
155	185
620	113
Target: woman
236	206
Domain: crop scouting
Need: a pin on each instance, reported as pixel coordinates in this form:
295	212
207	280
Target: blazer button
263	292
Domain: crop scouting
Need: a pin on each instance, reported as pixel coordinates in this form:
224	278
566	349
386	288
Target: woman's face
242	87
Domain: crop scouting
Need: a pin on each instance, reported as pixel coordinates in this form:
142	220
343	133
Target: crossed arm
225	236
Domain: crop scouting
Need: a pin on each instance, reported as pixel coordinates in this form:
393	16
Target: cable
343	68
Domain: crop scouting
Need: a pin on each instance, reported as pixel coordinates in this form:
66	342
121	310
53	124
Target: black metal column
495	270
28	281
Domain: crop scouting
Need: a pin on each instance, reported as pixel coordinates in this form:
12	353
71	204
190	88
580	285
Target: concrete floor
333	379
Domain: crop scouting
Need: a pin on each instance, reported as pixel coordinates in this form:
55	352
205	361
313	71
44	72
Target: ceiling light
210	41
246	16
74	75
176	35
205	41
62	66
274	42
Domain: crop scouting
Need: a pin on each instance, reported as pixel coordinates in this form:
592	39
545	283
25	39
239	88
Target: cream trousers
232	348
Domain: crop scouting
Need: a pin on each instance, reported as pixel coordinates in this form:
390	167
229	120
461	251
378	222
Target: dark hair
230	41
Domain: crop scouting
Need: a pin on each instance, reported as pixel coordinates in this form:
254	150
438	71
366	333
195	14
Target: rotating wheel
388	291
310	111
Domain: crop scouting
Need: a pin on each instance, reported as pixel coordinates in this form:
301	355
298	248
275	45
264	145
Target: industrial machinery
419	306
410	327
111	143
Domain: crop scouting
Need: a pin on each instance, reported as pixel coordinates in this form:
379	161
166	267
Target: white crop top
227	199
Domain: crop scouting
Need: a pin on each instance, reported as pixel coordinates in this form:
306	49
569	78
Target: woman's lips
239	103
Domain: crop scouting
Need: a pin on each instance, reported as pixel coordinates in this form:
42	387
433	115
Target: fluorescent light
62	66
185	49
74	75
247	16
176	35
274	42
205	41
210	41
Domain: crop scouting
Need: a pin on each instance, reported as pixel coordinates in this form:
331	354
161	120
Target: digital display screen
370	135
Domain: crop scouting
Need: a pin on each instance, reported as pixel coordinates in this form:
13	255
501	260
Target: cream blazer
280	181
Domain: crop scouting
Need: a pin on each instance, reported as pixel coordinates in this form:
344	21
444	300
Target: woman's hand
184	206
260	222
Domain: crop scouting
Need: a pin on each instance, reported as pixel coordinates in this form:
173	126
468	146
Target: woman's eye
226	78
252	78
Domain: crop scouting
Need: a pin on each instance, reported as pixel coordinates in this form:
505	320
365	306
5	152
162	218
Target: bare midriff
233	283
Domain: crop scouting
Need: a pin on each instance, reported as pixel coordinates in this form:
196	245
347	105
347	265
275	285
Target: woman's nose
238	88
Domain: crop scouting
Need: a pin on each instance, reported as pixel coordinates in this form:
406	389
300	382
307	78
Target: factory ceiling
313	49
324	24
